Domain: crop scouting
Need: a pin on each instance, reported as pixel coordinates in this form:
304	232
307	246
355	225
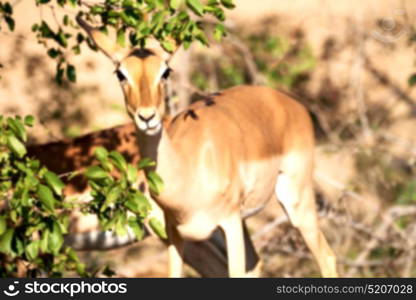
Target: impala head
142	73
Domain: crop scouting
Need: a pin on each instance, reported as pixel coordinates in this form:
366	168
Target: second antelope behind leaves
229	153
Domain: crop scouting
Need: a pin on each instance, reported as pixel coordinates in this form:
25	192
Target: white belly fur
198	228
256	189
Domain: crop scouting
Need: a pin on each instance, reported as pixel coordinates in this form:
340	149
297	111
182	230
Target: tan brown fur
76	154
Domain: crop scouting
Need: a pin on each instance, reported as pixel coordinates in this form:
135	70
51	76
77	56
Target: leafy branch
168	21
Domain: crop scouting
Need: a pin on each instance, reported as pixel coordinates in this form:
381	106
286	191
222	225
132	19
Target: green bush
34	216
278	59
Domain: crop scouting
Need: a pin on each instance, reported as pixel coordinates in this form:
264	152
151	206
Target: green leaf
118	160
111	197
95	173
412	80
174	4
80	267
29	120
18	245
132	206
71	73
137	227
54	182
219	14
46	197
158	228
76	49
168	46
17	127
80	38
61	39
25	196
157	21
44	242
202	38
16	146
120	229
101	153
196	7
32	250
131	174
72	254
121	37
186	45
10	22
182	16
7	8
13	216
97	9
45	30
155	182
59	74
108	272
145	162
65	20
53	53
219	32
56	239
138	204
228	3
3	225
6	241
113	14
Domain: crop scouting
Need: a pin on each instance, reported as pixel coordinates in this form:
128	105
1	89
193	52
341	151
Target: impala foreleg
175	252
234	237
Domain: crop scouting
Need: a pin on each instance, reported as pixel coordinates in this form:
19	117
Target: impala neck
160	149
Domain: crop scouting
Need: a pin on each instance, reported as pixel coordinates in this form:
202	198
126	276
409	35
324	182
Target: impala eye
166	74
120	76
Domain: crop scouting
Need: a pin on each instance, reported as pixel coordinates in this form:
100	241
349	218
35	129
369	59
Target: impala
231	151
69	155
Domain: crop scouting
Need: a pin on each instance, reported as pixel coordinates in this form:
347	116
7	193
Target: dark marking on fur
209	101
190	113
141	53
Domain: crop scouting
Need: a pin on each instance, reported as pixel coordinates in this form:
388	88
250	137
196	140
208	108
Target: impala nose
145	118
148	120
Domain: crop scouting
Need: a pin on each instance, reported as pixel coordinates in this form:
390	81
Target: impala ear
109	47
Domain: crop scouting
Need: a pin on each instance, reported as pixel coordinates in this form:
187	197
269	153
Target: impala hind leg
234	238
298	200
175	252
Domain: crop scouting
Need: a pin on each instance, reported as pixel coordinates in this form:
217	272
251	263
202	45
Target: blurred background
351	63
